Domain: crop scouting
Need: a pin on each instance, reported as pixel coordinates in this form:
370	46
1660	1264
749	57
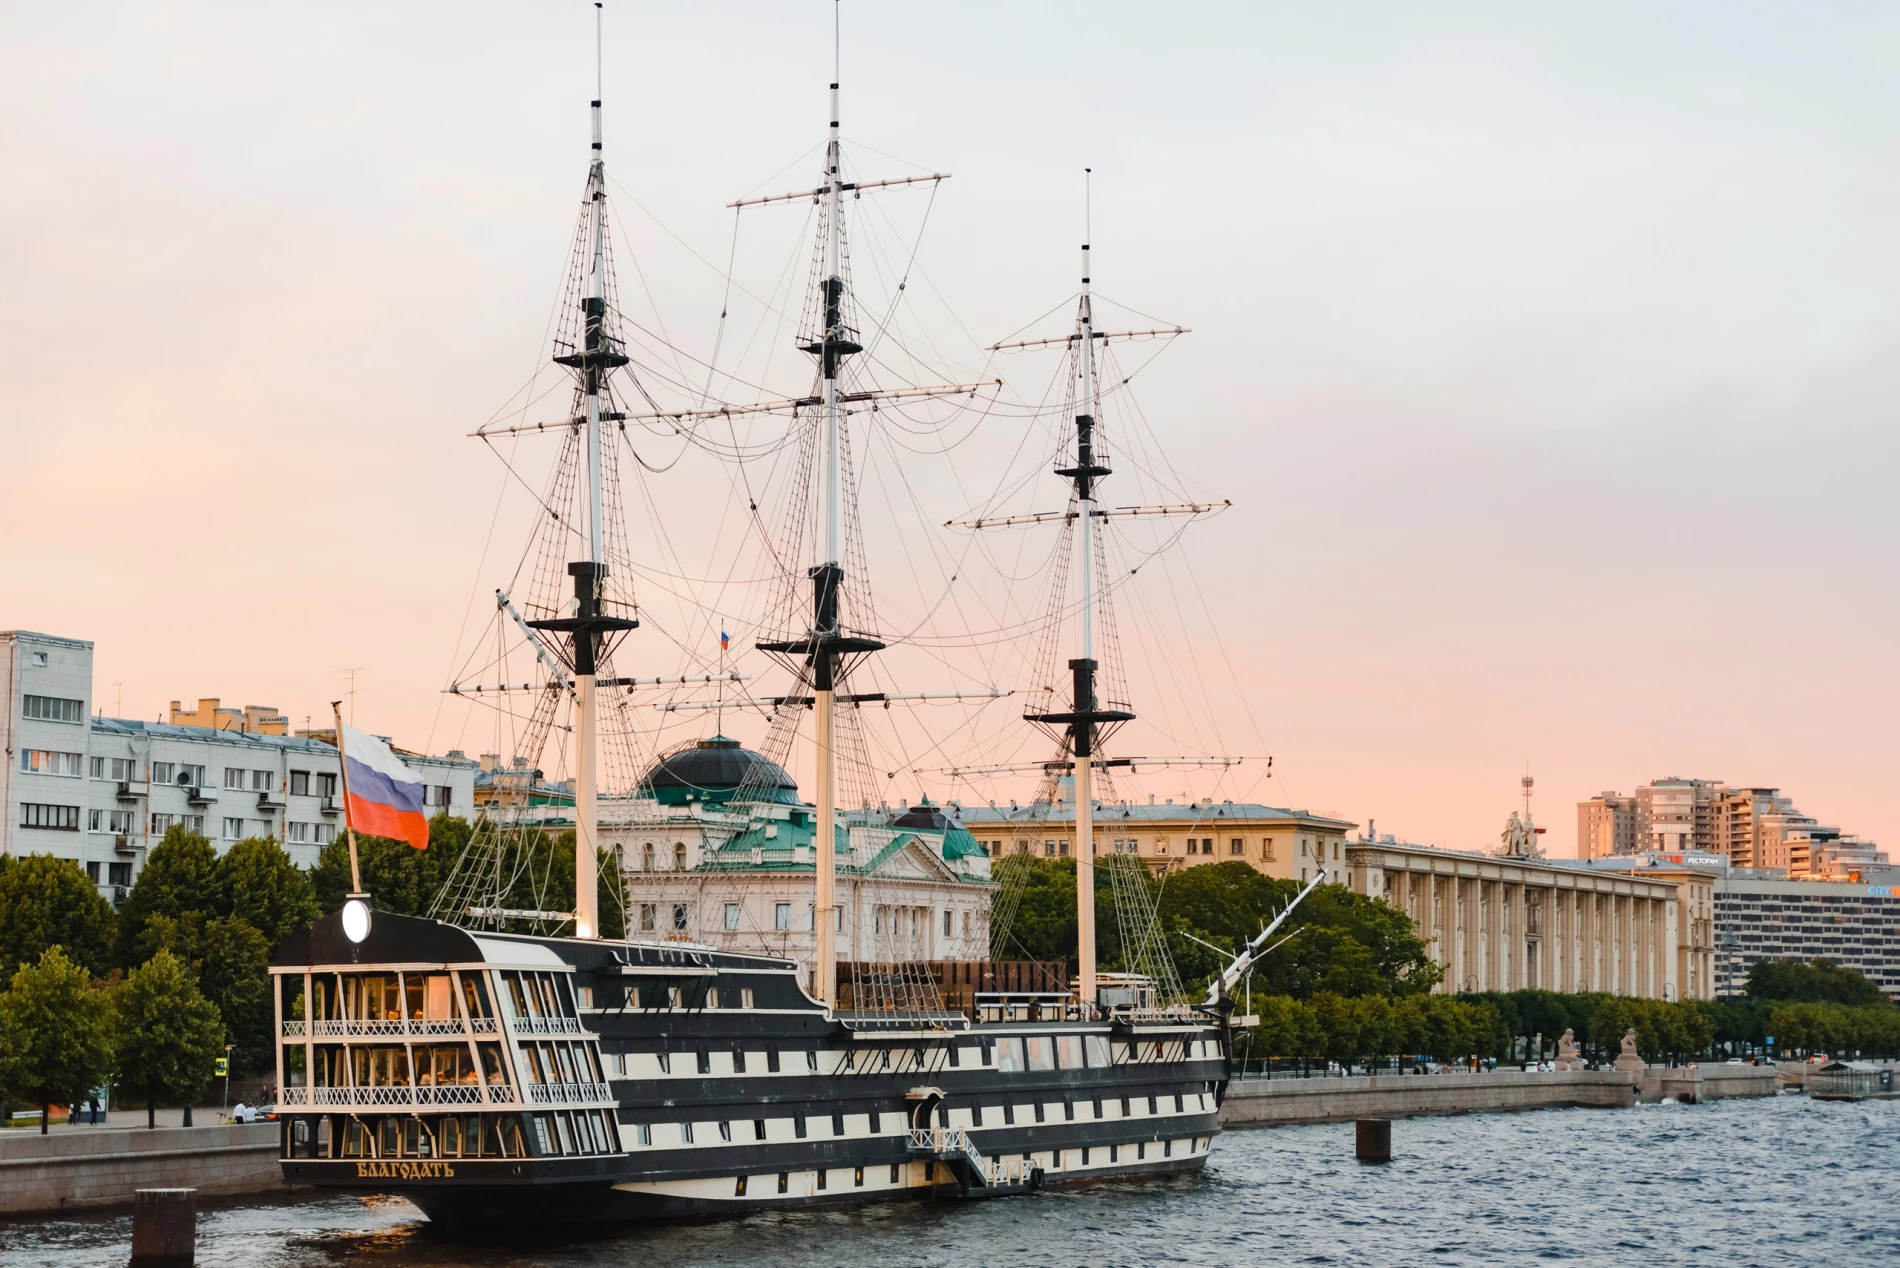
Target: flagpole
349	828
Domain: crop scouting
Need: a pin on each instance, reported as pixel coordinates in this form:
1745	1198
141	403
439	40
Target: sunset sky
1549	360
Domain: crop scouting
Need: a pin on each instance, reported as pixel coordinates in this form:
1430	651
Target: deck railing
392	1028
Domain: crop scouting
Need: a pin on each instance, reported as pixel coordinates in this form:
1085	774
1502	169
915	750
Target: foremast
589	627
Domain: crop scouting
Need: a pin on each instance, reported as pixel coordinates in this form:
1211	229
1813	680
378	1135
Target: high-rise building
1676	816
1748	827
1606	826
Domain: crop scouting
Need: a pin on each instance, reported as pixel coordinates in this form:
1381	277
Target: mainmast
597	358
826	645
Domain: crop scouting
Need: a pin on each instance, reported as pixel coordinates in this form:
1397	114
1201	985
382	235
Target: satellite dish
356	919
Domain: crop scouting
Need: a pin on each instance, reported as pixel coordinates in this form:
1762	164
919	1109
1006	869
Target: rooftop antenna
350	695
1527	783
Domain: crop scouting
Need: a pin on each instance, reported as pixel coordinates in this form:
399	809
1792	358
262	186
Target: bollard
1372	1139
164	1228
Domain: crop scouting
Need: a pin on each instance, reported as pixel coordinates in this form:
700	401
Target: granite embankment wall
1266	1102
102	1166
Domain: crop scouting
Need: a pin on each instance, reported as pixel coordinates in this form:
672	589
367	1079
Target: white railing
944	1141
294	1096
394	1027
547	1026
396	1095
561	1093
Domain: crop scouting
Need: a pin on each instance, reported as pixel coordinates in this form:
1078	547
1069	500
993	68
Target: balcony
329	806
547	1026
400	1096
123	843
127	792
397	1027
268	801
199	796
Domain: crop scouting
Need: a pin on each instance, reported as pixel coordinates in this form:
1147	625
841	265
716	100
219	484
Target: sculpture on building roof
1519	839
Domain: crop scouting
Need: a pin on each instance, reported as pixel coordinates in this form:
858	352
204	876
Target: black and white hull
519	1080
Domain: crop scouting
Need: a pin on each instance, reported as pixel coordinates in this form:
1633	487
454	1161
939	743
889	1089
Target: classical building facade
1289	844
702	866
102	791
1497	924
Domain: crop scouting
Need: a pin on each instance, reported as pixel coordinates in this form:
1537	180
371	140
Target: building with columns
1507	924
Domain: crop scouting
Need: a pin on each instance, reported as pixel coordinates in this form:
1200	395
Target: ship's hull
717	1086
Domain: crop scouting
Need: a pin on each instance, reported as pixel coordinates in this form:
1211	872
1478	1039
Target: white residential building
102	791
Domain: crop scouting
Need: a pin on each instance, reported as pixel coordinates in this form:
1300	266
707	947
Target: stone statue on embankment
1568	1058
1629	1059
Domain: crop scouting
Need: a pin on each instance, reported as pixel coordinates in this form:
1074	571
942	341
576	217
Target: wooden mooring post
164	1228
1372	1139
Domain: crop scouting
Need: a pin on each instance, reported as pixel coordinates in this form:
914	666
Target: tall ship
505	1062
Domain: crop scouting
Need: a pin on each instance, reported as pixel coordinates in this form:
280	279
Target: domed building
711	771
717	848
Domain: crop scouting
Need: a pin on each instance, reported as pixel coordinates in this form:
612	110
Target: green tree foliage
49	902
166	1033
256	880
391	872
1354	1029
405	880
1343	943
1836	1029
55	1046
1819	981
233	968
1665	1030
179	876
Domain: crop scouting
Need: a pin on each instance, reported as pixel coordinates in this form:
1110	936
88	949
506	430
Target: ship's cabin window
539	994
1041	1049
475	995
1069	1052
811	1058
1095	1048
1009	1055
494	1070
356	1139
380	1066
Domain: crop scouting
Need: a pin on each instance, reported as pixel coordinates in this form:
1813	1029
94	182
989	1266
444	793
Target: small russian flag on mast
385	797
725	641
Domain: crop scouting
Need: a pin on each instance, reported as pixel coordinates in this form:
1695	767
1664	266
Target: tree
257	881
47	902
168	1035
55	1045
234	974
1821	980
180	876
390	870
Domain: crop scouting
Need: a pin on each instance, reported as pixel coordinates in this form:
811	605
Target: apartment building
1749	827
1757	919
102	791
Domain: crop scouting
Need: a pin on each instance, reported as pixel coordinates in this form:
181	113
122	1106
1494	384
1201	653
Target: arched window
646	857
679	856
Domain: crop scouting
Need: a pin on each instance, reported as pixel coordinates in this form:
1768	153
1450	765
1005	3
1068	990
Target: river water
1780	1182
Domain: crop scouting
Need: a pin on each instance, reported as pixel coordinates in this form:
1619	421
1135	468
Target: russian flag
385	797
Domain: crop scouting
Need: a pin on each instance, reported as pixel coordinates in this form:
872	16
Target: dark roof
713	770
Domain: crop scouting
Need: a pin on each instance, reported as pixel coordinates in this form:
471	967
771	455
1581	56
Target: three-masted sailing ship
496	1076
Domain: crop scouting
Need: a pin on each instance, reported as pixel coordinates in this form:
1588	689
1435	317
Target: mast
1085	716
826	646
599	356
1085	473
